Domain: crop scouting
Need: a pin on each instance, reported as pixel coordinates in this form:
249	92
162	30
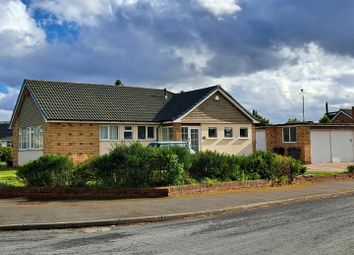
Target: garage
331	146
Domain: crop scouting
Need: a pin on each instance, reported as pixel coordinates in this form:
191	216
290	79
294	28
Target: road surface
314	227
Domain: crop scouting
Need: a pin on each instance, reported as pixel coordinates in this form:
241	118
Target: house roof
4	129
333	115
67	101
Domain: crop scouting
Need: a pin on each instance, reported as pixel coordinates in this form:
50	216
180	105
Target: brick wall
177	136
274	138
78	141
343	118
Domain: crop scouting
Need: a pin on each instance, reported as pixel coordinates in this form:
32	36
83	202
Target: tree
263	120
119	83
294	121
325	119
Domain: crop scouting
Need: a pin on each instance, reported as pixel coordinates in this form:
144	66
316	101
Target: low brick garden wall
106	193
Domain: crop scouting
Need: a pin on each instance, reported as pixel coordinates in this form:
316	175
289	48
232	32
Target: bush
350	169
47	171
138	166
6	155
260	165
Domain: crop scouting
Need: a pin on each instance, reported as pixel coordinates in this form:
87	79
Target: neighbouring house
343	115
309	142
5	134
85	120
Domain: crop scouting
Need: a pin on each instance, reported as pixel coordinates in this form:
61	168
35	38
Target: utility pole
303	105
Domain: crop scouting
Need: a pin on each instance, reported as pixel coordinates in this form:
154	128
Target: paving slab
329	167
24	211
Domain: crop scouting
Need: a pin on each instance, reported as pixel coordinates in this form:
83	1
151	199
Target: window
289	135
244	133
141	132
113	132
212	132
104	132
167	134
151	132
128	133
184	131
109	132
228	132
31	138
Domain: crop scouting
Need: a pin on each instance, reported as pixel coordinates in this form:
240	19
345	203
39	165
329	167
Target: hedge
138	166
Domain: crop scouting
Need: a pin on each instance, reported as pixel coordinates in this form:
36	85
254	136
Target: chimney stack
326	107
165	91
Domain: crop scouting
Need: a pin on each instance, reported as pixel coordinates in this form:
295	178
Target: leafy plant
350	169
47	171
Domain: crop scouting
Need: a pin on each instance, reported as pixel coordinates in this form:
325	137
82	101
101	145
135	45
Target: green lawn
318	173
8	177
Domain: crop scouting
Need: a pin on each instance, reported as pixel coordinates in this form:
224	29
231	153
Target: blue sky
262	52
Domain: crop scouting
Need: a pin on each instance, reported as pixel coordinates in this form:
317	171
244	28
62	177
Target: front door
191	135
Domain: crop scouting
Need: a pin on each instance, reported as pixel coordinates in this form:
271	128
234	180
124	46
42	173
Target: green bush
6	155
260	165
47	171
350	169
138	166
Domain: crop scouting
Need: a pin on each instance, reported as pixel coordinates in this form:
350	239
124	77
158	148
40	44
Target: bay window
31	137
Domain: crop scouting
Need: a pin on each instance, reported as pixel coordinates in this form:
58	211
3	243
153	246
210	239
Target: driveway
329	167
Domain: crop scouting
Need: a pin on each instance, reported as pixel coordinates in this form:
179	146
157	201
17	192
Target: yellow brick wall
78	141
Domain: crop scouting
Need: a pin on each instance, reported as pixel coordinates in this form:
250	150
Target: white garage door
331	146
342	146
320	147
261	140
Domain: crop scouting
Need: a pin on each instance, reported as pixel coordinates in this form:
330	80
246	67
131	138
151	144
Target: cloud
19	33
263	57
220	8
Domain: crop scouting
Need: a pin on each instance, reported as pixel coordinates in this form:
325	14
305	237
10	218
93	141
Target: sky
262	52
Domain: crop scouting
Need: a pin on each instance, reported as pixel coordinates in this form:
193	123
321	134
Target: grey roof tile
97	102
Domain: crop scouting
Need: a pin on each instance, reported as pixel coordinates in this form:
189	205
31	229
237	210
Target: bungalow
84	120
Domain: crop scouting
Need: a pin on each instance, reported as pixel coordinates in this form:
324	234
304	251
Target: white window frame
168	134
248	134
216	130
147	133
110	135
232	133
29	137
131	131
289	128
145	130
104	139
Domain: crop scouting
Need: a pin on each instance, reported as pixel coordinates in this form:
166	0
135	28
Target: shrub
350	169
82	176
47	171
6	155
138	166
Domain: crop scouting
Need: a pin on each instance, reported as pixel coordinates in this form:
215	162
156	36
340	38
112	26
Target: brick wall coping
171	191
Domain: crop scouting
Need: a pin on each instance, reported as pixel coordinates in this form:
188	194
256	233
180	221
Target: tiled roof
4	129
65	101
97	102
331	115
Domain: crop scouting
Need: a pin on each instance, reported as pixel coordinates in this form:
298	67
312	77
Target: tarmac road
314	227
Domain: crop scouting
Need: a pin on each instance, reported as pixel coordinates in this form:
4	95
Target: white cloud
82	12
220	8
19	33
276	92
196	57
5	115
